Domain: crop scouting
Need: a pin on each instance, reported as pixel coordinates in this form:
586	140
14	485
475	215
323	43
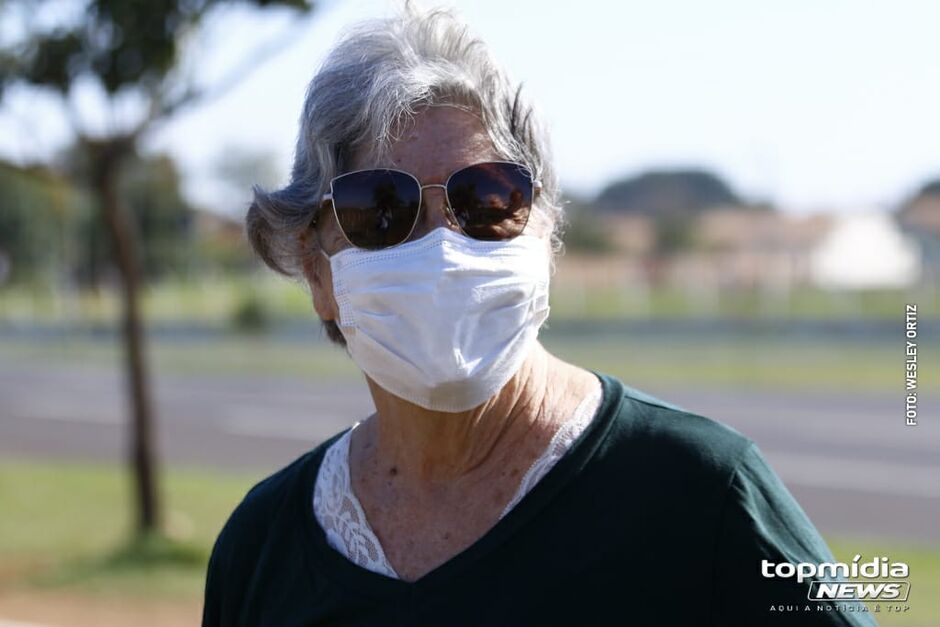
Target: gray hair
373	80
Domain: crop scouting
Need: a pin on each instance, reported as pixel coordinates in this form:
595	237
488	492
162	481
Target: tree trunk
107	158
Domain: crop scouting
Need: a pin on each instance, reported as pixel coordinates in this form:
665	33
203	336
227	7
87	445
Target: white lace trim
341	515
561	442
342	518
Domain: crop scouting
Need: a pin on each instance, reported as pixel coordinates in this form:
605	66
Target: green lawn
66	526
218	299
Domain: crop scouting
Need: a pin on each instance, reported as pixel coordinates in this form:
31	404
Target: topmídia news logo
875	580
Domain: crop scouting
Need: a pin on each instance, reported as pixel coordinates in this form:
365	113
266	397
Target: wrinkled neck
423	446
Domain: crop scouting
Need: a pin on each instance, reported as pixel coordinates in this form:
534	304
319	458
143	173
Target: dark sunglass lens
376	208
491	201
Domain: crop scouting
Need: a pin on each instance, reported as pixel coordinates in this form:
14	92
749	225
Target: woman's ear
311	267
316	269
308	251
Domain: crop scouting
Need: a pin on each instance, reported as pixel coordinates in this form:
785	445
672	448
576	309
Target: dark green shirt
655	516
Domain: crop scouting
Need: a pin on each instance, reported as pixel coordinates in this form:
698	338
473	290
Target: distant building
630	234
741	248
866	250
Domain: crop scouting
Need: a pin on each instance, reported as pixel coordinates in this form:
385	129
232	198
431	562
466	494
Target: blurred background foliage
55	262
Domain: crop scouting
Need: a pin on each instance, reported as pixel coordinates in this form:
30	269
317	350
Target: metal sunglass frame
448	208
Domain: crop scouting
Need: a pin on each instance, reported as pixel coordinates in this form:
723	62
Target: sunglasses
379	208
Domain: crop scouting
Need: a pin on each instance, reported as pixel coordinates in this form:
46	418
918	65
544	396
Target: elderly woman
495	484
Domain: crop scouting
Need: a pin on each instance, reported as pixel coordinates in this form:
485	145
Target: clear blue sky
819	104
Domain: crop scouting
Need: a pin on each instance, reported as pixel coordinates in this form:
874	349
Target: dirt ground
30	608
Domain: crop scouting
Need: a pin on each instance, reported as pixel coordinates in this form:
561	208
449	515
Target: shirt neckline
337	454
327	562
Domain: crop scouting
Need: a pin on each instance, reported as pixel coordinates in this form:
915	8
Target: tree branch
192	96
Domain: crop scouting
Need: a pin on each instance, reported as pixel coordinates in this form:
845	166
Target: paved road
848	458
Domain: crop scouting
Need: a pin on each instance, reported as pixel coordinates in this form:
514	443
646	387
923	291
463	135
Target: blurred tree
583	232
919	216
152	189
672	236
37	207
128	52
920	212
667	194
931	188
165	219
928	193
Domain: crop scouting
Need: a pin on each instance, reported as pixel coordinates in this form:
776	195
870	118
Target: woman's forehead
433	142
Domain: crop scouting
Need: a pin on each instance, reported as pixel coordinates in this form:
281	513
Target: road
847	457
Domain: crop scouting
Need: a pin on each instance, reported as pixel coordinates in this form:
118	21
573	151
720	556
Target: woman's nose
435	212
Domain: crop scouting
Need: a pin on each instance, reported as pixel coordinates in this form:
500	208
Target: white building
864	251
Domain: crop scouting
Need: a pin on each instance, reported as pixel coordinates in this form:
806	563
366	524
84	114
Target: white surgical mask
443	321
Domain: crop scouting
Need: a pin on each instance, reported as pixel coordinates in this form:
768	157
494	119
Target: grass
217	299
66	527
210	299
569	301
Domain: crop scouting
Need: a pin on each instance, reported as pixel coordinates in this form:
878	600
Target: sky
813	104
